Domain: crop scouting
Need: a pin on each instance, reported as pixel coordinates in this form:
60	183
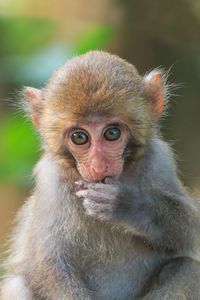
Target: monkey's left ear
154	90
36	104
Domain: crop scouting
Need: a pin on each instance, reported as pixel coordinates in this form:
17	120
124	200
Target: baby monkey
109	218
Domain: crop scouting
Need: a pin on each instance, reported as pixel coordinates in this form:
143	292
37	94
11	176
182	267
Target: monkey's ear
154	90
36	101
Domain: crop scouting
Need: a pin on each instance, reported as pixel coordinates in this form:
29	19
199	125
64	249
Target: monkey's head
97	114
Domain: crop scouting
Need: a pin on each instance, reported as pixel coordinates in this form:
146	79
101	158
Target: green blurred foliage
20	35
95	38
28	56
19	149
24	44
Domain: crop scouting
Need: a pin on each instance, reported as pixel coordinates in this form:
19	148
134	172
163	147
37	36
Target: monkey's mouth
106	180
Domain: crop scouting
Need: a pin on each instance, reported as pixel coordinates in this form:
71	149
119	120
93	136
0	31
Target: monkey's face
95	113
98	146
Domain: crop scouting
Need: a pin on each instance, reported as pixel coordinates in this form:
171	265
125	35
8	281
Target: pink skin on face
98	157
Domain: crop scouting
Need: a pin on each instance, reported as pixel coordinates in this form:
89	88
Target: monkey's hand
105	201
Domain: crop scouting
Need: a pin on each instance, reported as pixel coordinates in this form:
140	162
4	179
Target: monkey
109	217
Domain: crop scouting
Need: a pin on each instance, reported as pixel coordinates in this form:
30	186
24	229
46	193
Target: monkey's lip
95	180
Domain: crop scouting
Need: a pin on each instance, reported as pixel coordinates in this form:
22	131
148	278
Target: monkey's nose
102	170
98	175
99	172
99	166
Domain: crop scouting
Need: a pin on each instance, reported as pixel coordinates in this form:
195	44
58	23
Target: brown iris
79	138
112	134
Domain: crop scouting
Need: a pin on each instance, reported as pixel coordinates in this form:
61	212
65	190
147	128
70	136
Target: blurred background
38	36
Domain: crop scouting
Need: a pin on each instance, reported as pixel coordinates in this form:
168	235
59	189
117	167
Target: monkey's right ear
154	89
36	101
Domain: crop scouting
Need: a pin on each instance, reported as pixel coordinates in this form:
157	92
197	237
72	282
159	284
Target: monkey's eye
112	134
79	138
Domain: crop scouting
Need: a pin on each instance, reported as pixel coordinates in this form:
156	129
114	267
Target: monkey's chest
113	264
120	279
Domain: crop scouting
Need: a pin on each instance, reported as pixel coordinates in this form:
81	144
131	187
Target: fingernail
108	180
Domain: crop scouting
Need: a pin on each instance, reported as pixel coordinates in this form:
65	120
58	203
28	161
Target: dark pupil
112	134
79	138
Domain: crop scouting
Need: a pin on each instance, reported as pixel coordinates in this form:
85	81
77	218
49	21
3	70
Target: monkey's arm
154	207
16	287
167	221
177	280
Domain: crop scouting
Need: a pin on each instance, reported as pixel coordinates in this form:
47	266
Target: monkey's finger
101	211
108	180
102	187
90	194
80	182
85	184
109	189
89	185
96	196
